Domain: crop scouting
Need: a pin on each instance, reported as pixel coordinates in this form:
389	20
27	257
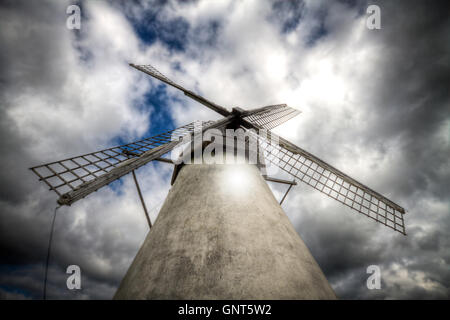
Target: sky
375	104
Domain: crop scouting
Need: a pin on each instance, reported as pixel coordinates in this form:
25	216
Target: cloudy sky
375	104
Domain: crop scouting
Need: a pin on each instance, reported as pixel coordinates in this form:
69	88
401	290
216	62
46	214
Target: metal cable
49	251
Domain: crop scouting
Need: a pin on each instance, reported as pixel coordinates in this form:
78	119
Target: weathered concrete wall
222	235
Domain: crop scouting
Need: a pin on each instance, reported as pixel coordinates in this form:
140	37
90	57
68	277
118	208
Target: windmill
217	241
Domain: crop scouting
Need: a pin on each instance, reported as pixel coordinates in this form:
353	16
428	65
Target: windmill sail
271	116
333	182
267	117
150	70
75	178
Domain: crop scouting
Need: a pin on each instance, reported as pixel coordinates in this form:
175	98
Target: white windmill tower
213	240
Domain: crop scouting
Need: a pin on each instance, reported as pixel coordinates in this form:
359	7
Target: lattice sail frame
152	71
267	117
272	116
66	175
321	176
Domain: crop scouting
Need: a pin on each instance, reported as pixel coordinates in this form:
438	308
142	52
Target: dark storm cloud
39	88
287	13
16	75
407	102
413	96
21	22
